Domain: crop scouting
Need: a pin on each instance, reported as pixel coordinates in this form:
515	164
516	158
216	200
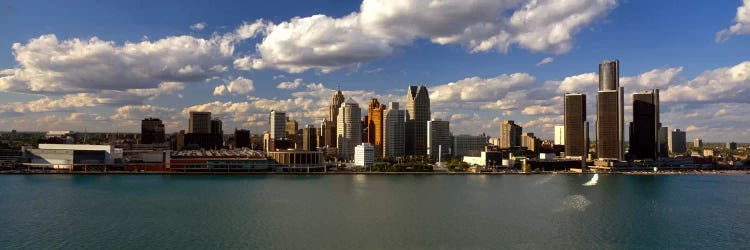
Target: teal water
373	212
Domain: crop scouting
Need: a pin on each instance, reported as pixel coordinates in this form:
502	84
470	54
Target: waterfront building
663	142
68	156
241	138
510	134
203	141
364	155
393	131
530	142
609	117
309	138
329	125
152	131
375	125
576	128
200	122
417	115
237	160
438	139
349	129
559	135
298	161
677	142
644	130
698	143
469	145
277	125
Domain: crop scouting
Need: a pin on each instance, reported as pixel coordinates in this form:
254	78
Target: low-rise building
364	155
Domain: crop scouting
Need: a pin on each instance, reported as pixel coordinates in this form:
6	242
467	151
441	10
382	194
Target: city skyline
703	97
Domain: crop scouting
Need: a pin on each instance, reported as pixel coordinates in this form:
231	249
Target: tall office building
152	131
510	134
469	145
328	133
277	123
217	127
393	131
375	125
438	139
663	142
644	130
698	143
241	138
609	112
559	135
575	139
200	122
349	129
677	142
309	138
417	115
329	125
732	146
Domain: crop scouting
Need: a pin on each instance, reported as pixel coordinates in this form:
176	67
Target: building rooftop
224	153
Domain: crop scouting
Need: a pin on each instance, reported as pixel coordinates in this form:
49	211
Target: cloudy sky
88	65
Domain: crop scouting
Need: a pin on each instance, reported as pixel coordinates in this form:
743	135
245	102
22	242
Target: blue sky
672	45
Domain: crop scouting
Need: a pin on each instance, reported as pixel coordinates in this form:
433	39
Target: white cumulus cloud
741	24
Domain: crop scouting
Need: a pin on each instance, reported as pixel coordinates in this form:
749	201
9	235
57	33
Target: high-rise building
329	125
349	129
644	131
217	127
200	122
469	145
241	138
375	125
393	131
309	138
438	139
663	142
559	135
277	123
575	132
510	134
152	131
698	143
530	142
609	113
677	142
732	146
418	113
291	128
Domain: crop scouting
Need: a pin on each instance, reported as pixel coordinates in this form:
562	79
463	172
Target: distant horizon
107	65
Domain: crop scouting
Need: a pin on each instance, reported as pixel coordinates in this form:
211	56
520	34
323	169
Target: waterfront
373	211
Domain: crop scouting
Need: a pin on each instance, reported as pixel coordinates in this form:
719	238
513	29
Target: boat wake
594	180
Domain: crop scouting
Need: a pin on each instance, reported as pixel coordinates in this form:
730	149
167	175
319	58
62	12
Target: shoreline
722	172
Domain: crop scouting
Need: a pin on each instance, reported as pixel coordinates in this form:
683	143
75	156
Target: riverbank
694	172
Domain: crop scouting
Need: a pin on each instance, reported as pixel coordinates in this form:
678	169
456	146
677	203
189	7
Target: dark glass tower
575	122
609	112
644	131
417	115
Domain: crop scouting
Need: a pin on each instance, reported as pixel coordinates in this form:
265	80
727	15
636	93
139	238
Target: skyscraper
575	139
152	131
200	122
663	142
291	128
375	125
644	131
698	143
309	138
510	134
418	113
559	135
241	138
349	129
277	123
217	127
393	131
329	125
530	142
677	142
438	139
609	112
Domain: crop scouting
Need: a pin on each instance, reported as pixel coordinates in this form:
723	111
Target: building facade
309	138
375	125
560	135
364	155
200	122
417	115
217	127
438	139
469	145
576	134
241	138
277	125
152	131
677	142
610	113
349	129
510	134
644	130
393	131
